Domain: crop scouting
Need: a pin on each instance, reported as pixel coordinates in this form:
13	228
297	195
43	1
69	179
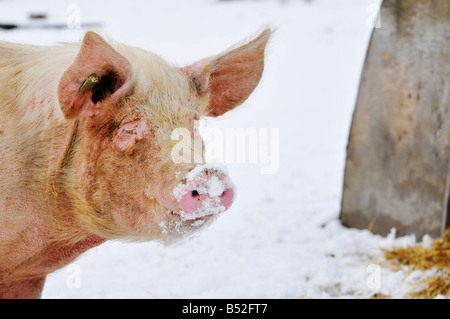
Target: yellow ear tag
90	82
132	131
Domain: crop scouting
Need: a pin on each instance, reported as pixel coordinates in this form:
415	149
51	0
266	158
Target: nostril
202	198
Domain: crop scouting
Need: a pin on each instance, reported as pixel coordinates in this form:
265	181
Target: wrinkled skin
85	163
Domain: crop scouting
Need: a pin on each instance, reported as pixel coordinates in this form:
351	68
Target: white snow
212	185
213	167
282	237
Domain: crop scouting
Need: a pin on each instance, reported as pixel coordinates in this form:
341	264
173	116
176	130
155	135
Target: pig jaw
123	188
158	205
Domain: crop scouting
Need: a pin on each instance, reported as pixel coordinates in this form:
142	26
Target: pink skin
80	167
130	133
197	192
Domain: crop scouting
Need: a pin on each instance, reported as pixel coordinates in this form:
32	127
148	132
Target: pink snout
206	194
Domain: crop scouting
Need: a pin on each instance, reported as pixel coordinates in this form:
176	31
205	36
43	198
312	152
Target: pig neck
49	235
65	238
66	227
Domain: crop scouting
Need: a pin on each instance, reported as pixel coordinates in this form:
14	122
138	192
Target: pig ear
230	77
96	80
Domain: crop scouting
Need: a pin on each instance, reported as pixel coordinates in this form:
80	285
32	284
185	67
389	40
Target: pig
85	137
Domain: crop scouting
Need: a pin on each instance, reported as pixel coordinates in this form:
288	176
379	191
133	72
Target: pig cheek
134	221
135	215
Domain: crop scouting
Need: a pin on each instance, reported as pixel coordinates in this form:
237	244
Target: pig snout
206	193
198	193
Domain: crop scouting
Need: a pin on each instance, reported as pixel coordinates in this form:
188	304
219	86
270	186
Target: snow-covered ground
282	237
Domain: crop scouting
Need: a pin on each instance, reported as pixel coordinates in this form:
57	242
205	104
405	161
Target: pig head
86	133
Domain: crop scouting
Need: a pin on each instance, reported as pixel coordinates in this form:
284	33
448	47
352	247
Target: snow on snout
213	186
197	172
207	191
